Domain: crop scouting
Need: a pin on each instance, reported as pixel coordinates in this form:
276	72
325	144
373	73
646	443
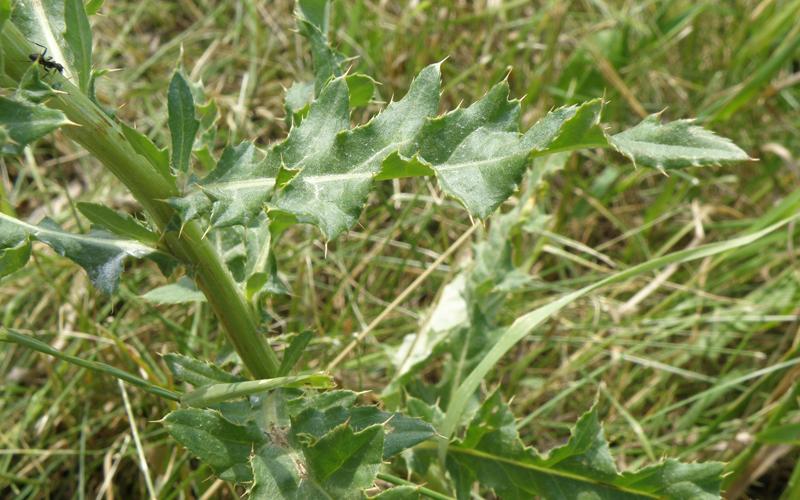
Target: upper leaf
323	172
674	145
331	189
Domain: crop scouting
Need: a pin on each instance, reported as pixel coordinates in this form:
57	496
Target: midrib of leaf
51	42
359	172
549	471
269	182
135	248
263	182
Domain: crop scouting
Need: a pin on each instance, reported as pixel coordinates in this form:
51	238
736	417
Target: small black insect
46	62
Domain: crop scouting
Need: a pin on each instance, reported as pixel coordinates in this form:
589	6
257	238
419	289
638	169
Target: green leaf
324	170
223	445
327	61
181	292
331	191
583	468
32	89
479	157
674	145
15	250
402	432
93	6
316	12
207	114
294	352
361	88
78	36
279	474
326	449
526	323
297	101
300	95
100	253
345	461
196	372
120	224
235	191
24	122
182	122
158	157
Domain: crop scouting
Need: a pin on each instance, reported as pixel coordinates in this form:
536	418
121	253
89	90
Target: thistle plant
278	431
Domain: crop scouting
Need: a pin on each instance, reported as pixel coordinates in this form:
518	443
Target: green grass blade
37	345
525	324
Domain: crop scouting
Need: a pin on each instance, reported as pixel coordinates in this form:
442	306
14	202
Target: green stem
103	138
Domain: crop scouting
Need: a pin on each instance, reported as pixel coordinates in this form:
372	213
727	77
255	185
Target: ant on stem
46	62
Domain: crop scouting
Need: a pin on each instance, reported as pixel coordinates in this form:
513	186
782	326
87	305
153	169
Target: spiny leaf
100	253
316	12
182	122
332	190
78	35
402	432
234	191
344	461
479	157
23	122
225	446
473	151
674	145
328	449
493	452
327	61
278	474
32	89
312	20
325	170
